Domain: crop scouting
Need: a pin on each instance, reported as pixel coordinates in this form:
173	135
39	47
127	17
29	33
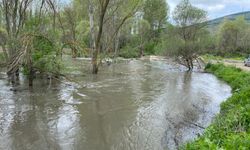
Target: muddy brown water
132	105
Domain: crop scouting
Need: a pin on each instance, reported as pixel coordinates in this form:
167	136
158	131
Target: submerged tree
24	20
102	7
106	10
189	33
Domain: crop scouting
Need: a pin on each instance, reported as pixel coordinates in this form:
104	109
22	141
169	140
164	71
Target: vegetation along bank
231	128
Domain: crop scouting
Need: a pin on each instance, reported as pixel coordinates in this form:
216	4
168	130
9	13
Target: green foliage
42	47
129	52
166	42
189	38
2	58
185	14
146	28
138	40
49	63
156	13
34	23
231	128
175	45
83	32
233	36
150	48
44	55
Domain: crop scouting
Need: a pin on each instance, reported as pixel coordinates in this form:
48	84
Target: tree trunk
96	51
190	64
92	27
74	51
94	62
30	72
31	77
117	43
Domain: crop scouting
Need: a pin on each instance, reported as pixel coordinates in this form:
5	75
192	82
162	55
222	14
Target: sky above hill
217	8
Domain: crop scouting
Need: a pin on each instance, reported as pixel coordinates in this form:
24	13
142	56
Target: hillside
217	21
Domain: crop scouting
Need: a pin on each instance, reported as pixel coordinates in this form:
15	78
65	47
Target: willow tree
190	23
20	20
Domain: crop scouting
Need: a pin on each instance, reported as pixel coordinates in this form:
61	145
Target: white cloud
216	7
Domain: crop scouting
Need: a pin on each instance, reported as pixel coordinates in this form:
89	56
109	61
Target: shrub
150	48
129	52
44	56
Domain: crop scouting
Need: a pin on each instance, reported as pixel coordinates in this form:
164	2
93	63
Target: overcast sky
217	8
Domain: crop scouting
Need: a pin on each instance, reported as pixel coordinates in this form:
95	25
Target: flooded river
132	105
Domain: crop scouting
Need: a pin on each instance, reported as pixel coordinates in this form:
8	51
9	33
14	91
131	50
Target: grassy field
231	128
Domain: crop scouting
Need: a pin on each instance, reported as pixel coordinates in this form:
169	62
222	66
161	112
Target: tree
156	13
144	27
15	13
152	19
24	25
233	36
106	10
190	22
103	5
70	34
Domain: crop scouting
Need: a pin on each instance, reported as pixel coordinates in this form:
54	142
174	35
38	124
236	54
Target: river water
132	105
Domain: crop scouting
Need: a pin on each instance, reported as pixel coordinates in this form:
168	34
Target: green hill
213	24
230	17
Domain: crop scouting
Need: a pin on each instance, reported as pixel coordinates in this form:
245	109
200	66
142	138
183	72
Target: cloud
211	8
216	7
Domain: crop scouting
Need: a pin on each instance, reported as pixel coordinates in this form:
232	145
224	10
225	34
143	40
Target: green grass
231	128
209	58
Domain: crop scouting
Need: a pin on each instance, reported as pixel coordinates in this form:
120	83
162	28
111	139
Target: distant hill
213	24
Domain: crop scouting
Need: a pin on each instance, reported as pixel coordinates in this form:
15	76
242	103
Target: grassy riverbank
231	128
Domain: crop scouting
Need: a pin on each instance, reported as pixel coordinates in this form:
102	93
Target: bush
129	52
150	48
231	128
44	56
